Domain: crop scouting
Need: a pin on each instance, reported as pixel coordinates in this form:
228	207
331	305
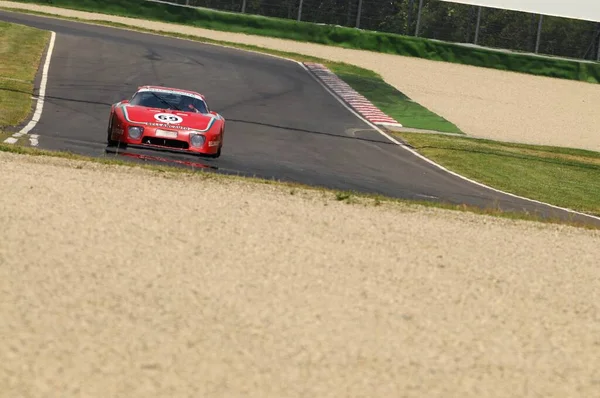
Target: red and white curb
355	100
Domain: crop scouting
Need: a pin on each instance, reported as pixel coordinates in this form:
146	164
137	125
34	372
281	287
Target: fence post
300	11
243	6
409	17
358	13
598	56
419	18
539	34
478	24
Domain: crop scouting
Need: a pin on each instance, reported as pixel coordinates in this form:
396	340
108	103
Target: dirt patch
481	102
129	283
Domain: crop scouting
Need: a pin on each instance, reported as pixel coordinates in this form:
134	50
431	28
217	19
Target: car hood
168	118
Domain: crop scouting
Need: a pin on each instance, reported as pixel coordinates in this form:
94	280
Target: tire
109	141
218	153
215	155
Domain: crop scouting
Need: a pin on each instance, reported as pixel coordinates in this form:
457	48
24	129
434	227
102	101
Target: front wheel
217	154
109	140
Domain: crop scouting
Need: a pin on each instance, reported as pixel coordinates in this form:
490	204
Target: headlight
135	132
197	140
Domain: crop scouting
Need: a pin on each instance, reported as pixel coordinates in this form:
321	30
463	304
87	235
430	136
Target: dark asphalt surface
280	122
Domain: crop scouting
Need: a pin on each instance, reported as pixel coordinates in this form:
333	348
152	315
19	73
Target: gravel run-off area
120	282
115	283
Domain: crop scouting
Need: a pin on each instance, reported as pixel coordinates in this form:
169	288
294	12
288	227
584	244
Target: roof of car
172	89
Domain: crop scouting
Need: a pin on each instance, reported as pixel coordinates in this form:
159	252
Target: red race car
166	118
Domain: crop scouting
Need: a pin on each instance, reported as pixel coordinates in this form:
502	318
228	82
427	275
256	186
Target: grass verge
391	101
337	36
561	176
21	49
368	83
349	197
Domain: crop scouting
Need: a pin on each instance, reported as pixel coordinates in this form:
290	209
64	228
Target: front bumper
159	140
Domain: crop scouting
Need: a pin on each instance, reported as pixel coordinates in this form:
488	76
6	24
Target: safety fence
433	19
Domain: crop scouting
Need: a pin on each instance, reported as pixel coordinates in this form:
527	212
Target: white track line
392	139
37	114
33	139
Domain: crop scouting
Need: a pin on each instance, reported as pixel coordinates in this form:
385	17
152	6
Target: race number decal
168	118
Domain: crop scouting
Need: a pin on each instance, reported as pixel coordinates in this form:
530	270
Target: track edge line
439	166
37	114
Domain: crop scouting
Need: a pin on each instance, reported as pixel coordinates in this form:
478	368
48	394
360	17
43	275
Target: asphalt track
281	123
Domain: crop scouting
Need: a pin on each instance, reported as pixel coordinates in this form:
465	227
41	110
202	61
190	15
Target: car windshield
171	100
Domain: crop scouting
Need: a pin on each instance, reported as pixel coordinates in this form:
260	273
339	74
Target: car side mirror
125	101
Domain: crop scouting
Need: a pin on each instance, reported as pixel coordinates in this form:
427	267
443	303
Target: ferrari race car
166	118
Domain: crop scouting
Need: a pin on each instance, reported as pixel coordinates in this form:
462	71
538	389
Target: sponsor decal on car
168	120
168	126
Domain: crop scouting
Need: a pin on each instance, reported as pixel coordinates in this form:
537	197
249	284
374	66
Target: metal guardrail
462	24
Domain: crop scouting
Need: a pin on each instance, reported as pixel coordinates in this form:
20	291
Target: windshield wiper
165	101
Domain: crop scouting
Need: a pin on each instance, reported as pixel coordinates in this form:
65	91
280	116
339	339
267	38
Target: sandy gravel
124	283
482	102
116	282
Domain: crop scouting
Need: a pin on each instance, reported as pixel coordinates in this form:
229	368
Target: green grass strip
391	101
338	36
21	49
560	176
